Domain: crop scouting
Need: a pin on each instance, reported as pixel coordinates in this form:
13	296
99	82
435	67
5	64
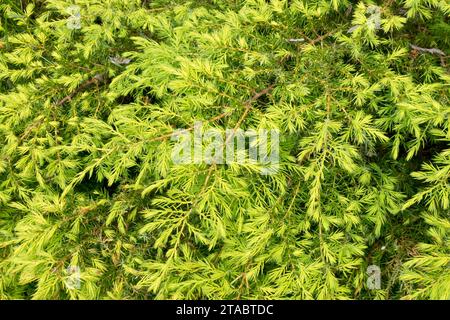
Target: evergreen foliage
358	89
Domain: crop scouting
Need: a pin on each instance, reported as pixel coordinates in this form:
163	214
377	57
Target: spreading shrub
91	91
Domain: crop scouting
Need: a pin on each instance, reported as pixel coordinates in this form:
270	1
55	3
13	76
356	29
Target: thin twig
98	78
428	50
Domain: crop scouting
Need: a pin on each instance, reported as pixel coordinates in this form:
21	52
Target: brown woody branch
97	79
247	105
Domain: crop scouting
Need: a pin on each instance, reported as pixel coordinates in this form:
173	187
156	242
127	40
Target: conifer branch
97	79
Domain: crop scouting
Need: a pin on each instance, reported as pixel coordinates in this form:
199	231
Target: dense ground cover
93	207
